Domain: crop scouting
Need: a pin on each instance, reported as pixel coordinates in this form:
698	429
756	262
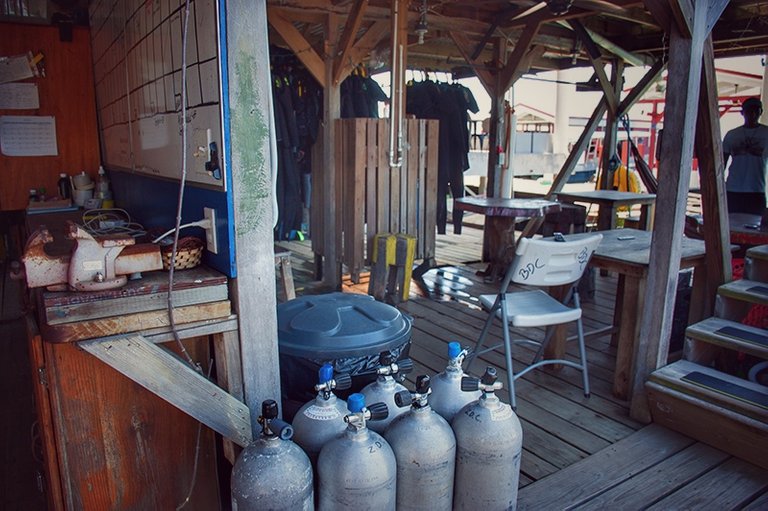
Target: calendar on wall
137	61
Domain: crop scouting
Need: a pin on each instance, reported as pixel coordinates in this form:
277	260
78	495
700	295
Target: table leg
629	328
500	234
618	309
646	217
606	220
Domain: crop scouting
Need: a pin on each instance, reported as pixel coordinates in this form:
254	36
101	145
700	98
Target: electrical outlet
210	232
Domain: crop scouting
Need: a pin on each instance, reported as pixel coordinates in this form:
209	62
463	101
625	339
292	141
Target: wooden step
736	299
756	264
731	335
736	425
724	390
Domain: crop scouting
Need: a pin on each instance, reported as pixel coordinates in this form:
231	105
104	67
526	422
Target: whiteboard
137	60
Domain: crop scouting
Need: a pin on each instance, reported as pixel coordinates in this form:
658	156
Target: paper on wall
19	96
13	69
22	135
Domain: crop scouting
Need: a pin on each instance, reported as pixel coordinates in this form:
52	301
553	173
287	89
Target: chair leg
582	348
508	354
486	328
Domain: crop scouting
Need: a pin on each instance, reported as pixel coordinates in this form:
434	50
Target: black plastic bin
346	330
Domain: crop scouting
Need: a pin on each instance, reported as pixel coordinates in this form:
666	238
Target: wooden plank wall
375	198
66	92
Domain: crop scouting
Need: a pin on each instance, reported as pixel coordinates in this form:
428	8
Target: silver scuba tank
447	397
385	387
272	472
425	451
357	469
321	419
489	443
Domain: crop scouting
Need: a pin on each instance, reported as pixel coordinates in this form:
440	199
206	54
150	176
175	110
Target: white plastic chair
540	262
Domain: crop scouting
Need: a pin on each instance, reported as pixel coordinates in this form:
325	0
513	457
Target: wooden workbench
114	398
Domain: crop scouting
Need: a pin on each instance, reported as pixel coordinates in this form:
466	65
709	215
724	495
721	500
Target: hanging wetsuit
288	177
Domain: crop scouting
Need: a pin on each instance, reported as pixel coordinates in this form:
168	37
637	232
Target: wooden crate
373	197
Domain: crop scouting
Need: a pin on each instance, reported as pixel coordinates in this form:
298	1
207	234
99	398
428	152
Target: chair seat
533	308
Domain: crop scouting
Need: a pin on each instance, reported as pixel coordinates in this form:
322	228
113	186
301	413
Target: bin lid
338	325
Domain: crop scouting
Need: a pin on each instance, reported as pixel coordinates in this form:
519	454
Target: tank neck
323	401
357	432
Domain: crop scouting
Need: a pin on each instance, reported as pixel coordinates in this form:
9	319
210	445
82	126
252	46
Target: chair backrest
540	262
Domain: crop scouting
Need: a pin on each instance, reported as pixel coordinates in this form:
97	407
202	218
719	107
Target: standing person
747	145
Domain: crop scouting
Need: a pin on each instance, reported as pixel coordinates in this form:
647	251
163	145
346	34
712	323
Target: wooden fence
373	197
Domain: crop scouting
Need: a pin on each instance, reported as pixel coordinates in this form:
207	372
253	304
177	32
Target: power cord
205	224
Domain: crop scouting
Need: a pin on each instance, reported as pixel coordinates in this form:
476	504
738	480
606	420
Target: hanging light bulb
421	26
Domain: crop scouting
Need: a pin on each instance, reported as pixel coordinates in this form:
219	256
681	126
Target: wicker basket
188	254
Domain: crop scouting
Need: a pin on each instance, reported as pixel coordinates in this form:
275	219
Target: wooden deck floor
578	452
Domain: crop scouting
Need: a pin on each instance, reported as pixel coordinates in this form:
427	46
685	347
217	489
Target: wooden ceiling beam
464	45
299	45
367	42
516	58
595	57
348	37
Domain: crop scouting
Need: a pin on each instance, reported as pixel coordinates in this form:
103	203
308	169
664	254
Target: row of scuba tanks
450	444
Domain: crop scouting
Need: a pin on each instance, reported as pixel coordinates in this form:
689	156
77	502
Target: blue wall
153	203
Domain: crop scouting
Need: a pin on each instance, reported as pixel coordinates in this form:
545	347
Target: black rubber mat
728	389
761	290
744	335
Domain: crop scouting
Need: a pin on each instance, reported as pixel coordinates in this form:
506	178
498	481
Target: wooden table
501	215
746	229
630	258
609	201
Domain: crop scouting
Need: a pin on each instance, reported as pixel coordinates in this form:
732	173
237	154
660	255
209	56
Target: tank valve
270	424
456	355
327	382
487	383
418	398
359	413
389	366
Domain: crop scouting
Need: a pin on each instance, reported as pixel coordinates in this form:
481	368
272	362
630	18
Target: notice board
137	63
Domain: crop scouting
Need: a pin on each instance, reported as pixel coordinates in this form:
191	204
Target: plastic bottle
102	185
65	188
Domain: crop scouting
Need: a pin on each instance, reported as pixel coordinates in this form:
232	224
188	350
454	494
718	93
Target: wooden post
611	124
682	95
250	98
331	112
709	149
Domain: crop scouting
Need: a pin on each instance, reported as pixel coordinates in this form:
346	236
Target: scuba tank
272	472
385	387
447	397
425	450
489	443
322	419
357	469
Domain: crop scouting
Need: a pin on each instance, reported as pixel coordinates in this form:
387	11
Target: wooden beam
252	168
516	58
167	376
661	12
331	112
716	9
367	42
709	151
611	121
348	37
641	87
484	75
595	57
501	19
531	56
682	13
685	58
300	46
566	170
